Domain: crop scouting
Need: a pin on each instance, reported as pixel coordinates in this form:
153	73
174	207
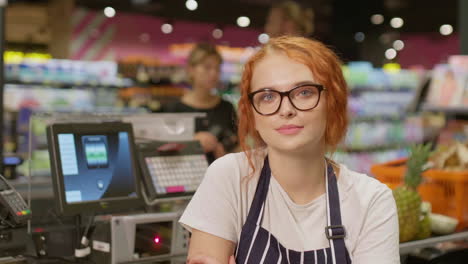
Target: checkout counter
114	196
115	192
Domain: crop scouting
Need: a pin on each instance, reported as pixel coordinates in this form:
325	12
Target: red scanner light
157	240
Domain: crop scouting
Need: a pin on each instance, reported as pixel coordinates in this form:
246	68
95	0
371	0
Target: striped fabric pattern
258	245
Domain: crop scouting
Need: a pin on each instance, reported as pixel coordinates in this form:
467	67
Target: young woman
217	132
282	200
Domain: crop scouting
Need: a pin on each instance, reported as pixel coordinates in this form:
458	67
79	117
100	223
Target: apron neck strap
256	209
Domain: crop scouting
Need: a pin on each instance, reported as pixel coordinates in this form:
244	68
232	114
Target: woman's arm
379	238
211	216
207	248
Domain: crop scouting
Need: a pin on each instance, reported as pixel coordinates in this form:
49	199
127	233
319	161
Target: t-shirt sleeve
213	208
378	241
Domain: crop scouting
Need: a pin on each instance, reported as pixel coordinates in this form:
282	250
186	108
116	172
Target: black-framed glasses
303	97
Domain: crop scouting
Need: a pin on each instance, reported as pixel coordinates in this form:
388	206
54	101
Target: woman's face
288	129
205	75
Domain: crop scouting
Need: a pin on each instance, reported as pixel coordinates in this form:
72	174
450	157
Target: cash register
97	169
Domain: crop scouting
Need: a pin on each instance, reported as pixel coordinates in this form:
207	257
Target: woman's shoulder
234	167
362	186
231	163
231	160
228	175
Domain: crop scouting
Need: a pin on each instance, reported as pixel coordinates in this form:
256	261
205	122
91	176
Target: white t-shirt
221	204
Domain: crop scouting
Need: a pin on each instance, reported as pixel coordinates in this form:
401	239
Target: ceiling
336	21
419	15
331	16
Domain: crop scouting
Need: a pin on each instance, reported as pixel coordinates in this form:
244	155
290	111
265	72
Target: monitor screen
93	167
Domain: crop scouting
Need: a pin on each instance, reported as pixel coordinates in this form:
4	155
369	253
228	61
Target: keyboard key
174	189
177	173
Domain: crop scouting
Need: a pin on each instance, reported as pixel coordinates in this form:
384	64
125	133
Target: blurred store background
405	62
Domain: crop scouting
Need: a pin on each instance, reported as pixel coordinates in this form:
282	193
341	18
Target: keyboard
172	174
171	170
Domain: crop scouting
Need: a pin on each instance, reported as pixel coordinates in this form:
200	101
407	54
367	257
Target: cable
90	222
83	248
4	220
78	227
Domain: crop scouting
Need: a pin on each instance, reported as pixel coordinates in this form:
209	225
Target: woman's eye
305	92
268	97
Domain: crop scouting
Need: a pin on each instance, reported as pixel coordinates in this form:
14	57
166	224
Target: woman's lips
289	129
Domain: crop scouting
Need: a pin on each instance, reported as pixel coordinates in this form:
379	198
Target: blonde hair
202	51
302	17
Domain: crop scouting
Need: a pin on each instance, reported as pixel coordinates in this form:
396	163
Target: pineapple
407	197
424	221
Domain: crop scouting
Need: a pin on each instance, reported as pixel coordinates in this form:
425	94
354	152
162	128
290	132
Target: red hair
325	67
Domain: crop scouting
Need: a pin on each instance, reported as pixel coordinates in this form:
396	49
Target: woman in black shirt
217	132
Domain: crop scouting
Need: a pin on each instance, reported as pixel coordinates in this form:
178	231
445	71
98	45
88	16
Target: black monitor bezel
109	205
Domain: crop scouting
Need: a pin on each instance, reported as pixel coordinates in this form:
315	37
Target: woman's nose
286	108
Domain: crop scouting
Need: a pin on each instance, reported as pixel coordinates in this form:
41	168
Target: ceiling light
398	44
217	33
243	21
263	38
166	28
397	22
377	19
109	11
390	54
191	5
359	36
446	29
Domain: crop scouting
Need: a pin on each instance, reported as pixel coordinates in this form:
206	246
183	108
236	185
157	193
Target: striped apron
257	245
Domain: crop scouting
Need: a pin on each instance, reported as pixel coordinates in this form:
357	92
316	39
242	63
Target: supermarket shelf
372	88
373	118
409	247
374	148
455	110
67	85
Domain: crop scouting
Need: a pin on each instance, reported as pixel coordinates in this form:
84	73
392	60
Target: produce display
429	190
442	224
425	221
453	157
407	198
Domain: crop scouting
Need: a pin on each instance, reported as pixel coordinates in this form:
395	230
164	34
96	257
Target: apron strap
254	218
256	209
335	231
